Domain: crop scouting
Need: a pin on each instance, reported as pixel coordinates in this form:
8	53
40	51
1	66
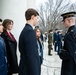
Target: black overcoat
11	48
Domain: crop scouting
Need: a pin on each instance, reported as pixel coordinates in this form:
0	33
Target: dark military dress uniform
50	41
69	53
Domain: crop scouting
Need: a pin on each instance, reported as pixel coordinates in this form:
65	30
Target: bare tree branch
50	13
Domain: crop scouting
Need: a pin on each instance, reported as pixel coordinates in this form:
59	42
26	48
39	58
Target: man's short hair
56	29
50	30
29	12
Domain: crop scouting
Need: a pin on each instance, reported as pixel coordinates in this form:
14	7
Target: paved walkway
51	64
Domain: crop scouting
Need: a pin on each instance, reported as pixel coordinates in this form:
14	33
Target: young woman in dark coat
11	46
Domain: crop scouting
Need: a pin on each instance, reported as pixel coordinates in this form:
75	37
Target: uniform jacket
29	60
11	48
3	62
69	53
50	39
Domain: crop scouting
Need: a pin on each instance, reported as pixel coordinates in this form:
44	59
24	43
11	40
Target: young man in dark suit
29	59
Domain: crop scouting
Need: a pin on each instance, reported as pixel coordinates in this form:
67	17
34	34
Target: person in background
59	41
40	44
45	36
50	41
3	58
29	59
68	53
55	39
41	36
11	46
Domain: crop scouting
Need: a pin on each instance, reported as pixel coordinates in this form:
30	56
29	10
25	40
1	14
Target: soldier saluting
68	54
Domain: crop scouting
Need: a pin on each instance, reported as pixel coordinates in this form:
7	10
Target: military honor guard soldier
68	53
50	41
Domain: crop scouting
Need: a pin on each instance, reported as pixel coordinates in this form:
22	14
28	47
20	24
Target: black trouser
55	46
49	49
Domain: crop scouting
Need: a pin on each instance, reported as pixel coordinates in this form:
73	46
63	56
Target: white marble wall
15	10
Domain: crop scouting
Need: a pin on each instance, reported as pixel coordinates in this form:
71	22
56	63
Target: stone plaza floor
51	64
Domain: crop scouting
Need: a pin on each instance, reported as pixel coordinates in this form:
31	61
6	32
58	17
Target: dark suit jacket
11	48
3	63
50	39
29	60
